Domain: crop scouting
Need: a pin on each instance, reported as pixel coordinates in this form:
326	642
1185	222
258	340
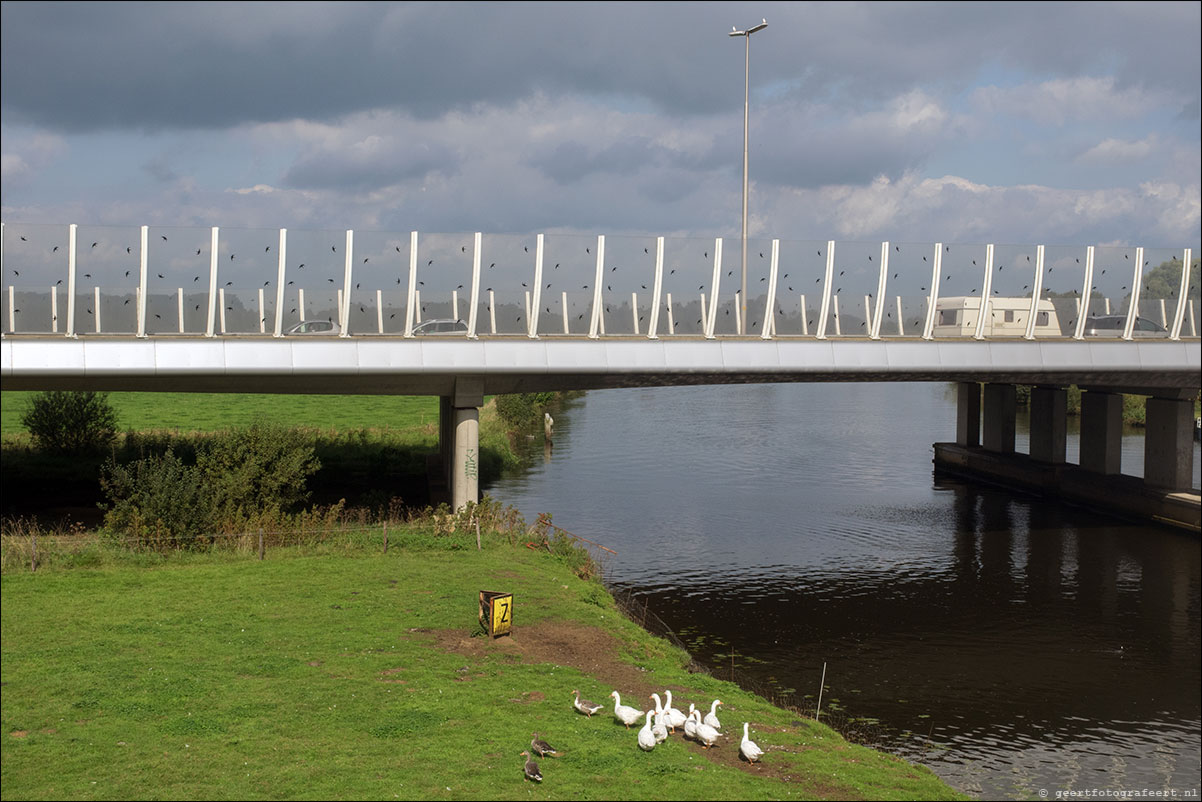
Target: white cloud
1118	151
1063	100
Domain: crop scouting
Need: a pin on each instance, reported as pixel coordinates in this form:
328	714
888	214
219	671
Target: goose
531	769
675	717
707	735
647	740
711	718
585	706
625	713
660	727
541	748
748	748
690	724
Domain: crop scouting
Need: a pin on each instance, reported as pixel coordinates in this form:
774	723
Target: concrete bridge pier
459	440
985	449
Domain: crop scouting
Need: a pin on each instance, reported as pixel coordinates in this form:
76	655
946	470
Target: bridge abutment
1163	494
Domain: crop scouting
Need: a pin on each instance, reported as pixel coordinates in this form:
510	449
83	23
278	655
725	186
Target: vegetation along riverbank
349	663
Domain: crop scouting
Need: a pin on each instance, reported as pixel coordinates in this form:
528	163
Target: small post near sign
496	612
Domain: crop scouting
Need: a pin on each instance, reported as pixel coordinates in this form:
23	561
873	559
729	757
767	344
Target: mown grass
208	412
338	671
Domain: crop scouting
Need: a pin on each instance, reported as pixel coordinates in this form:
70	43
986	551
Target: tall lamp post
746	104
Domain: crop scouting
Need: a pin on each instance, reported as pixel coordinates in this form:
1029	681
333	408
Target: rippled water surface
1008	643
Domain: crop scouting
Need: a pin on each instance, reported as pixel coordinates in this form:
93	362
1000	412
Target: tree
1164	280
71	422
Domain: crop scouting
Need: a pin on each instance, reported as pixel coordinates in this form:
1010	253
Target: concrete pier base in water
1124	496
1164	494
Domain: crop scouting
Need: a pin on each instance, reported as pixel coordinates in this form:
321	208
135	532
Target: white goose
647	739
676	718
711	718
748	748
690	724
660	727
707	735
625	713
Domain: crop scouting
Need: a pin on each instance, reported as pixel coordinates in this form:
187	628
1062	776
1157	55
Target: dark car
1113	325
441	326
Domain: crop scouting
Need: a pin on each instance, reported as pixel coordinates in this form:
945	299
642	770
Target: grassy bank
336	670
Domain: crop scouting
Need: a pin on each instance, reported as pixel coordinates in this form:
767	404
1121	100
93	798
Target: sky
1020	123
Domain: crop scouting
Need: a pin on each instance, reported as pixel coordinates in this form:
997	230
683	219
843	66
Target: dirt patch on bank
595	653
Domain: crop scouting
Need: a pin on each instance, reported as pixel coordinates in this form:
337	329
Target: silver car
1113	325
314	327
441	326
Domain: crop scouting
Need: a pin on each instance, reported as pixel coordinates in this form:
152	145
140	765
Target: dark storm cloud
89	66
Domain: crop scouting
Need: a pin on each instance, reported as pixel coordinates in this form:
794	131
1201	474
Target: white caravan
957	317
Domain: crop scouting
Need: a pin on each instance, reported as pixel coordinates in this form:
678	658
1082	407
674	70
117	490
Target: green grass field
343	672
206	412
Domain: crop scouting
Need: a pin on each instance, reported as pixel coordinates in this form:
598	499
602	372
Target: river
1008	643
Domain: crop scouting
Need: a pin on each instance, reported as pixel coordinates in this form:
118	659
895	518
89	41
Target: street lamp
746	103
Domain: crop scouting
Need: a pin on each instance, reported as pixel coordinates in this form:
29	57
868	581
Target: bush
69	422
523	409
257	472
158	501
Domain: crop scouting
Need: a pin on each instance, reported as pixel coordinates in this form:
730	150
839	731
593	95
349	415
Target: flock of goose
657	724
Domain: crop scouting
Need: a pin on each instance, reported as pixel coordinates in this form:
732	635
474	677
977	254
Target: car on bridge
1113	326
314	327
441	326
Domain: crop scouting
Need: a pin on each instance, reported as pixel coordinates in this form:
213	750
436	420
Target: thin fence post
260	543
821	684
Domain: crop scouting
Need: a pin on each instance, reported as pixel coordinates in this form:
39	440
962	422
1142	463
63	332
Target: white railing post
933	298
379	311
712	319
1136	280
221	296
1182	295
770	307
805	324
54	310
881	284
671	322
180	295
281	282
411	293
563	296
826	290
656	289
71	238
595	328
532	318
12	309
344	303
300	303
492	311
214	302
985	315
143	260
473	309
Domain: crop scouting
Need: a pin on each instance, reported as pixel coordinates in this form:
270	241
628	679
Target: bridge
213	310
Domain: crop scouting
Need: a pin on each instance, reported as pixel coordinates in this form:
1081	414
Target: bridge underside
396	366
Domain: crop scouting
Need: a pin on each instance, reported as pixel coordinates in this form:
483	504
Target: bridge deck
506	364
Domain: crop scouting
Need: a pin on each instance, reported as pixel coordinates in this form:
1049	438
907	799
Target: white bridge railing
75	280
